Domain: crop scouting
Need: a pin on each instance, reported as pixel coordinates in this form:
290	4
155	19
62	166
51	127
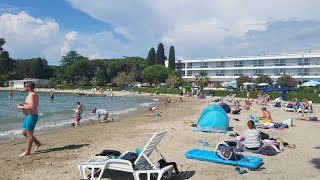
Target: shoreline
63	150
86	121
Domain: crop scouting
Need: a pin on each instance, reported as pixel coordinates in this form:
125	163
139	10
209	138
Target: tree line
77	69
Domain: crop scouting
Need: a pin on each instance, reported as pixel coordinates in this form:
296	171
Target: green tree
172	59
243	79
202	79
160	56
6	64
123	79
286	81
263	78
174	78
151	57
79	69
154	74
69	58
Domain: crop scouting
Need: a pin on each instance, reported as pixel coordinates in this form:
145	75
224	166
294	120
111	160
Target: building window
279	72
220	73
238	72
258	63
189	73
189	65
280	62
183	73
257	72
220	64
204	65
238	64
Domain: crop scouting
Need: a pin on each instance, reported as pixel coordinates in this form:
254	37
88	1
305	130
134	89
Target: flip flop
240	171
292	146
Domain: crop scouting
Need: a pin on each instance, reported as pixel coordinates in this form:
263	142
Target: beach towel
210	155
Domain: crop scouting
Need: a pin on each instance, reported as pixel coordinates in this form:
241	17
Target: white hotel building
302	67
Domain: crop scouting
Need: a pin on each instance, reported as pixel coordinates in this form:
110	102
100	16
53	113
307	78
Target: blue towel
205	155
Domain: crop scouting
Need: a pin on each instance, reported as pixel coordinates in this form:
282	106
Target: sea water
59	113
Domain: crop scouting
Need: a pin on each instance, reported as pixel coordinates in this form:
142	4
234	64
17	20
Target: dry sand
64	149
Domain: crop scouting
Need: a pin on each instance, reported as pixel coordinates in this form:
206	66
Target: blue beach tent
213	119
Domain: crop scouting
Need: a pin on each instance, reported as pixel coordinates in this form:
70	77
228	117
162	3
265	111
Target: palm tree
174	78
202	78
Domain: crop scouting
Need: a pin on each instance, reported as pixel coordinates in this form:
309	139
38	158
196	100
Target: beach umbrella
247	83
263	84
311	83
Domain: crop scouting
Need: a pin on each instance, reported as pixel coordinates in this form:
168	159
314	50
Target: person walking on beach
10	95
30	110
102	114
79	110
248	94
52	95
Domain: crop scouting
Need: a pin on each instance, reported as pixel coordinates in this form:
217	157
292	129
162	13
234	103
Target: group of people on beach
30	109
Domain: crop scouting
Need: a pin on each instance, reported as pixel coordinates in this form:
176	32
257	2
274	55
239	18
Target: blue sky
197	29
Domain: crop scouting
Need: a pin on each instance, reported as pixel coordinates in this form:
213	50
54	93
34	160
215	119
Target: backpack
226	152
130	156
109	153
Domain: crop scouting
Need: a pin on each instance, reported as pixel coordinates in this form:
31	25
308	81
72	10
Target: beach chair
142	165
309	110
293	109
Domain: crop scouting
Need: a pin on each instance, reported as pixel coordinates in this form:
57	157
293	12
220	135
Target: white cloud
29	37
71	36
206	28
191	26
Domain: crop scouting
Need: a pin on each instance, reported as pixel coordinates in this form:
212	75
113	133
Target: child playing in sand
153	110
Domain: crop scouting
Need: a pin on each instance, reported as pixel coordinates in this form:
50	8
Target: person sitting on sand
180	99
168	100
153	110
102	114
252	137
266	114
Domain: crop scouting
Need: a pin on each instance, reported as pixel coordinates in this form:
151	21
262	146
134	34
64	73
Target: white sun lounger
142	165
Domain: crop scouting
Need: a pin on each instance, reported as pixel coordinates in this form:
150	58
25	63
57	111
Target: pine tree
151	57
160	57
172	58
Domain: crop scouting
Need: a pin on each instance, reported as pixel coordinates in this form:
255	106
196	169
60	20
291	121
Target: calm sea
58	113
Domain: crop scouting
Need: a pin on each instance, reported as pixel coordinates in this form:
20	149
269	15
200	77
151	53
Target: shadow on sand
119	175
316	162
69	147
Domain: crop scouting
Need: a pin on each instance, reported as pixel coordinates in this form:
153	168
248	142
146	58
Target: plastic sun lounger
210	156
142	165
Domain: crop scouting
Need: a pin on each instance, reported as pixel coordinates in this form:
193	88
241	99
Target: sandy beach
64	149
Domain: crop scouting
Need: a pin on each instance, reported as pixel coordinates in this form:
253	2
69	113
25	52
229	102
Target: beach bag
288	121
269	151
313	119
130	156
236	112
226	152
277	104
109	153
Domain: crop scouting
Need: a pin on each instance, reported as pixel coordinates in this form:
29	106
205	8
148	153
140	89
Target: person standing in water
52	95
10	95
79	111
30	110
